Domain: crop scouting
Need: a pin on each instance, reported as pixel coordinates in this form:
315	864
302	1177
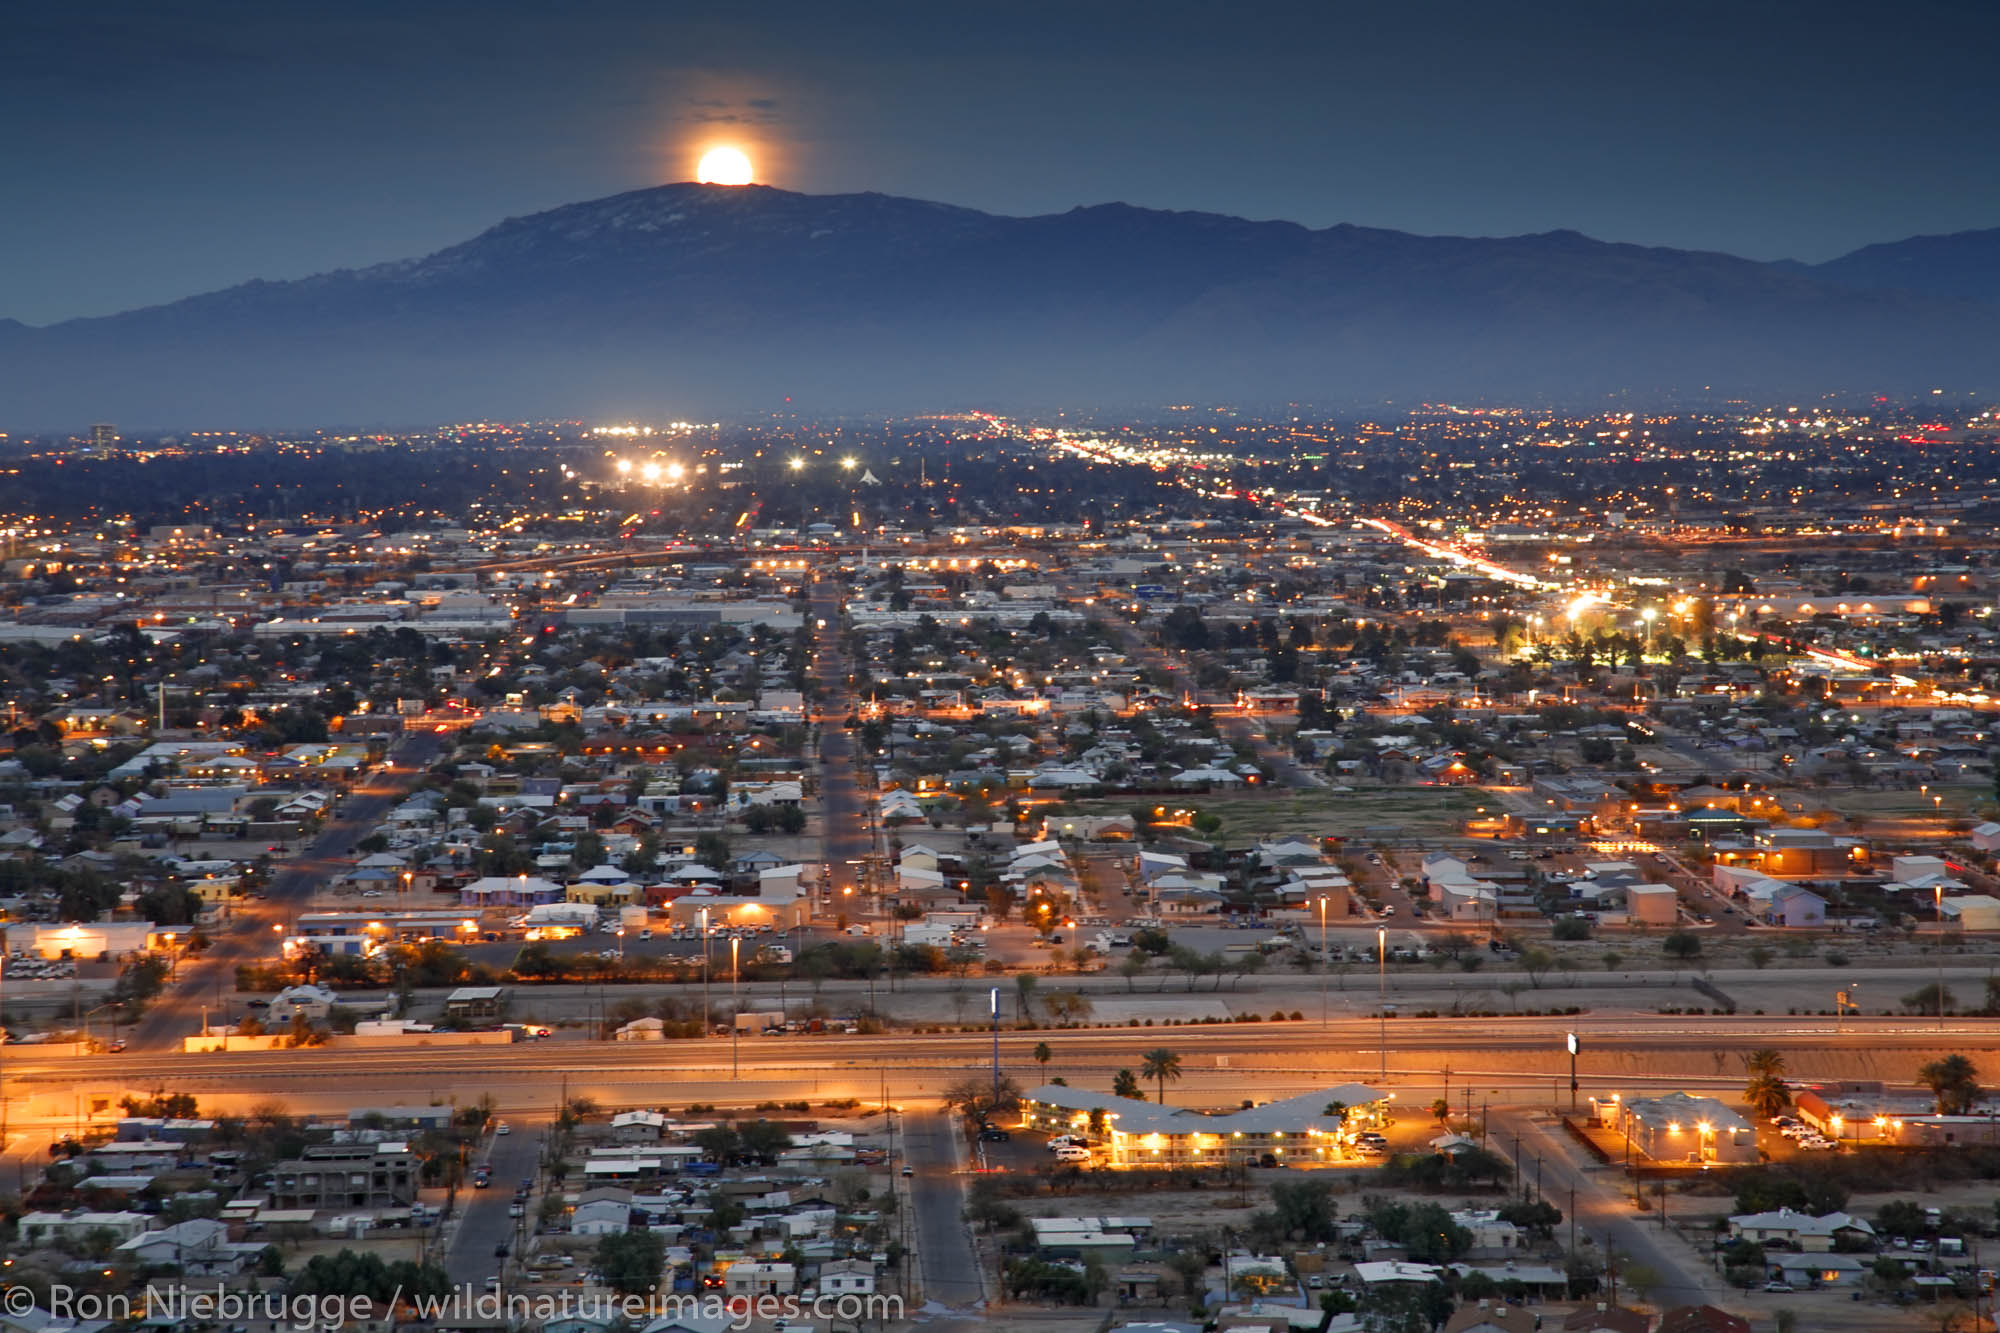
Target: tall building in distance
103	435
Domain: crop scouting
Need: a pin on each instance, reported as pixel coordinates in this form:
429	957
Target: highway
1623	1051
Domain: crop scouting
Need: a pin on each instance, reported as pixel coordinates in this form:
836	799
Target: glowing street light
650	473
1324	961
1381	993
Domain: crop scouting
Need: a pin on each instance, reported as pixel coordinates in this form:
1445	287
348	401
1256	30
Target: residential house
847	1277
1800	1231
602	1211
1492	1317
346	1175
759	1279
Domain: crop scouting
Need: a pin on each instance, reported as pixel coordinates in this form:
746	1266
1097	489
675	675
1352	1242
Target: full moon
724	166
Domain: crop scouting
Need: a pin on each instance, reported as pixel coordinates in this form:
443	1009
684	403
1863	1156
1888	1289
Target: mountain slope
1961	266
699	300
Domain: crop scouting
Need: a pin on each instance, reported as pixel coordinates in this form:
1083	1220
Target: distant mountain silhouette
702	300
1962	266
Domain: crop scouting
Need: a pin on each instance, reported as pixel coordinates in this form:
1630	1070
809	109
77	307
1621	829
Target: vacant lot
1429	813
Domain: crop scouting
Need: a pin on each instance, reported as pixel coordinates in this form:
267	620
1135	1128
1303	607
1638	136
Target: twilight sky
153	150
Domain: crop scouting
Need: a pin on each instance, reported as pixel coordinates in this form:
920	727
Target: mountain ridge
704	299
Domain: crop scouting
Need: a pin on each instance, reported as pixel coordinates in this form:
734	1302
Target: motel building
1294	1132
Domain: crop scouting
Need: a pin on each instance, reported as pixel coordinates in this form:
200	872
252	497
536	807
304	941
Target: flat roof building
1677	1127
1296	1131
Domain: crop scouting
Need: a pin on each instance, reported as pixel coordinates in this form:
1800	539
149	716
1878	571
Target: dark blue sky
149	151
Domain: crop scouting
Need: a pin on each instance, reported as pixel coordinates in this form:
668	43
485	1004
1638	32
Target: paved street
210	980
931	1145
845	814
483	1222
1602	1211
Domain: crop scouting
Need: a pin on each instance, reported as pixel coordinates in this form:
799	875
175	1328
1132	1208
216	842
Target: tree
1024	988
1441	1109
763	1141
1760	957
1160	1064
1304	1210
984	1206
1536	962
1954	1081
712	850
1131	967
1043	1054
1126	1084
1765	1089
630	1261
1930	999
979	1100
1682	946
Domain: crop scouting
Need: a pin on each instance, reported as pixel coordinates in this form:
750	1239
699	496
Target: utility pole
993	1002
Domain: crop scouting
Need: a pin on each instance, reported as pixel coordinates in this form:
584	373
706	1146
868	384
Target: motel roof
1293	1115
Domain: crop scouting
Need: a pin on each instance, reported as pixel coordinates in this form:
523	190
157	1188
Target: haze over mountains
701	301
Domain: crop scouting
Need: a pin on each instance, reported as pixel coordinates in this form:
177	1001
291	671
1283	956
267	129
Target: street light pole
1382	993
703	913
993	1004
1939	890
735	1008
1325	963
1573	1044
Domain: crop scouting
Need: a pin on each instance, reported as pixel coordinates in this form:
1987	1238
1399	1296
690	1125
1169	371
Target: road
1624	1051
1600	1208
937	1195
210	980
845	817
483	1222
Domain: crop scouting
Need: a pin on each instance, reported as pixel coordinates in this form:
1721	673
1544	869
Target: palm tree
1765	1061
1160	1065
1954	1081
1043	1055
1125	1084
1767	1096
